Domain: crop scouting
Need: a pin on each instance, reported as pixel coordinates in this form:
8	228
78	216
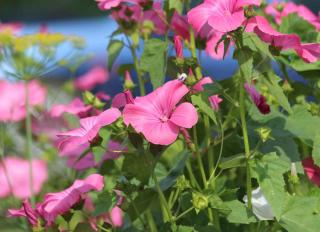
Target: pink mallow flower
312	171
309	52
220	15
88	131
97	75
75	161
258	99
55	204
108	4
280	10
75	107
15	178
61	202
26	211
178	45
156	115
13	99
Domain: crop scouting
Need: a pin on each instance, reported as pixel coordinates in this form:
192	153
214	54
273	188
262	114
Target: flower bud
287	87
182	183
178	45
264	133
199	201
128	83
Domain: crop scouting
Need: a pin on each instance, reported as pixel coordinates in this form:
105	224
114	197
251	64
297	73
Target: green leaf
300	214
238	160
216	203
114	49
245	60
136	166
294	24
269	172
77	218
84	227
240	213
272	81
105	202
252	41
204	107
153	60
316	150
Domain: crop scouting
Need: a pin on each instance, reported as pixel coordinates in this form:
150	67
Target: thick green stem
151	222
208	144
29	141
194	53
194	181
245	140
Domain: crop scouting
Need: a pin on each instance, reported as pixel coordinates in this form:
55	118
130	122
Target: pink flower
97	75
75	107
156	115
308	52
61	202
28	212
312	171
258	99
108	4
103	96
180	25
122	99
15	179
114	151
280	10
88	131
157	16
220	15
215	101
12	95
178	45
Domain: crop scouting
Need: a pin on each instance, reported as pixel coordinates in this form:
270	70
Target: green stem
208	143
29	141
245	140
151	222
194	53
167	213
184	213
198	156
137	68
194	181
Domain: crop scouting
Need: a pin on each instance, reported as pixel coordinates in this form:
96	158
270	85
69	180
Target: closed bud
178	45
182	183
128	83
287	87
199	201
264	133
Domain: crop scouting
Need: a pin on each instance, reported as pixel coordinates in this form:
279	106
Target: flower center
164	118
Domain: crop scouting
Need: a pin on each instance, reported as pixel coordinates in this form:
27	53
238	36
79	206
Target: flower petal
185	115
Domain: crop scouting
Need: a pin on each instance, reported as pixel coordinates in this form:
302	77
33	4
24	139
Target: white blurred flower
260	205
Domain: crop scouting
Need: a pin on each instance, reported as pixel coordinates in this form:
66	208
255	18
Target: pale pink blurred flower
156	115
16	171
259	25
12	95
88	131
180	25
108	4
97	75
75	107
14	27
55	204
312	171
75	161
